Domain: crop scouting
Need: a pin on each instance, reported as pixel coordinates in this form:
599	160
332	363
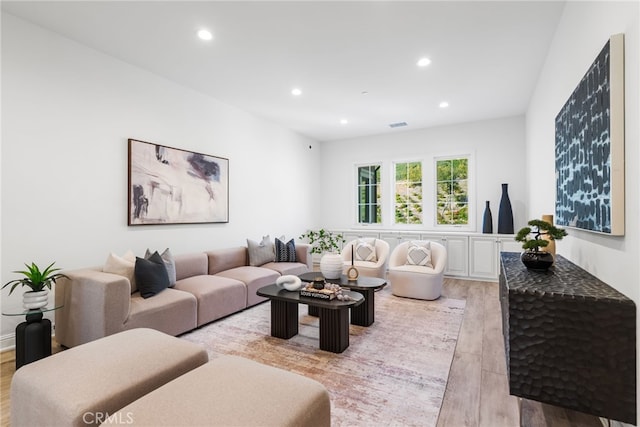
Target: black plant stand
33	339
33	336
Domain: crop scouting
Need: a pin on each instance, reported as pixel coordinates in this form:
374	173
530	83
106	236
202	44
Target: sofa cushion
254	278
122	266
193	264
169	263
285	252
217	296
171	311
285	268
260	252
151	275
226	259
233	391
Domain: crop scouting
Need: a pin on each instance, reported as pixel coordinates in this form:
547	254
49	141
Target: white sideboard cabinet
457	246
469	255
484	254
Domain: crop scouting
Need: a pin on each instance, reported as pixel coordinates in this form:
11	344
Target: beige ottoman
83	385
232	391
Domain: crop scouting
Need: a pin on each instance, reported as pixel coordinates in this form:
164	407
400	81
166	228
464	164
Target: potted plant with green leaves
326	243
38	281
533	239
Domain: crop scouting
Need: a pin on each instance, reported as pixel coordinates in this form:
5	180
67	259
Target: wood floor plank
455	288
540	414
469	340
461	401
493	352
7	369
497	407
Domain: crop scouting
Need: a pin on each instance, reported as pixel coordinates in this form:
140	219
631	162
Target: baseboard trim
7	342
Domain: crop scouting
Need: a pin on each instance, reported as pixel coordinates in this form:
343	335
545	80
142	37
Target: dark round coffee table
363	314
333	314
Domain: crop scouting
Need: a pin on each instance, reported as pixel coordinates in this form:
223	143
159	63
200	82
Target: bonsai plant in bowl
532	239
38	281
327	243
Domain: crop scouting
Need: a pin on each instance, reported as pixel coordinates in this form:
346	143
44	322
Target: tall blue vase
505	214
487	220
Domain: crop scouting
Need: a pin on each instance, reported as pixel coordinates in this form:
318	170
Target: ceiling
351	60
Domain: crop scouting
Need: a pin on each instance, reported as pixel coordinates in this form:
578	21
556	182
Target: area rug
393	373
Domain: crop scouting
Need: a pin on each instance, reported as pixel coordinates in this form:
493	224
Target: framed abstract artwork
589	147
173	186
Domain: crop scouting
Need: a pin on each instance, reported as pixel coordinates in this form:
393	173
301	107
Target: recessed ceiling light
205	34
344	121
423	62
296	92
444	104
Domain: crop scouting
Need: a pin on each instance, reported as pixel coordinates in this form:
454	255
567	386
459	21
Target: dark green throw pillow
151	275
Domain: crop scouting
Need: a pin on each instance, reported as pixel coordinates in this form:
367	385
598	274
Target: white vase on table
331	265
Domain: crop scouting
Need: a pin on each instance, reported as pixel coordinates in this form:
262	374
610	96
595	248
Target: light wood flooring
477	392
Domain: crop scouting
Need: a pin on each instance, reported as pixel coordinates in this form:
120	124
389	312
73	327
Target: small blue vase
487	220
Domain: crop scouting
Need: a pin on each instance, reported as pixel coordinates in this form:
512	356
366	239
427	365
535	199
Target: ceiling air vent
398	125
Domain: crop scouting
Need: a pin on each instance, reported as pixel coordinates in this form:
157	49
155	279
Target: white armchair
417	281
367	268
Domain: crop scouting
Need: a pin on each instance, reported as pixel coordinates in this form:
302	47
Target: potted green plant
39	281
327	243
533	240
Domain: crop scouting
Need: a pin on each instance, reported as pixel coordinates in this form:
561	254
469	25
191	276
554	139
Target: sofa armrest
398	256
303	255
96	304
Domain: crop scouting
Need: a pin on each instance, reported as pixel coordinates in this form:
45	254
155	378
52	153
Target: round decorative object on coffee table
331	265
289	282
352	274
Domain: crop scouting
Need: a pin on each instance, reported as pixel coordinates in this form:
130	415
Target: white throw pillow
366	250
122	266
261	253
419	253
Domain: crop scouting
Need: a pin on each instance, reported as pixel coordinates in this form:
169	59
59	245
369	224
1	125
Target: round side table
33	336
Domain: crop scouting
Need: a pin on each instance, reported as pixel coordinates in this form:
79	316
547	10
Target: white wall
67	112
497	147
583	30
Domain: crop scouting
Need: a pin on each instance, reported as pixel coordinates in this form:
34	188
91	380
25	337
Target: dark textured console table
570	339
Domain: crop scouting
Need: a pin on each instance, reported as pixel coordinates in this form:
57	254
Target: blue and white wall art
589	150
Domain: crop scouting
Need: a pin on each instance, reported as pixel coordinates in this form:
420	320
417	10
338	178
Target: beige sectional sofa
209	286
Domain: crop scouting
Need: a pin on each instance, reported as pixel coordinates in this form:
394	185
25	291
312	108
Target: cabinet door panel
394	239
457	256
483	257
